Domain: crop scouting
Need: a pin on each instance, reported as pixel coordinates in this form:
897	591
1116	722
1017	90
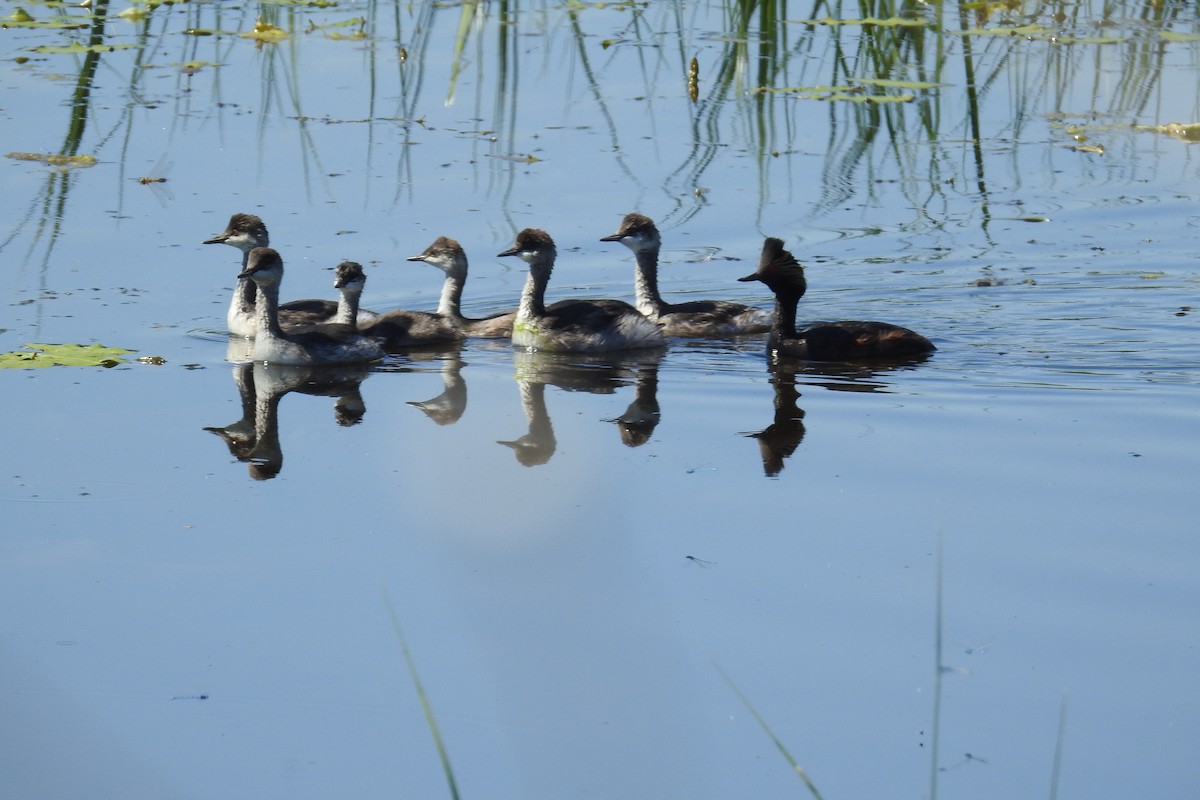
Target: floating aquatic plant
1184	132
63	355
55	159
23	19
891	22
266	32
78	48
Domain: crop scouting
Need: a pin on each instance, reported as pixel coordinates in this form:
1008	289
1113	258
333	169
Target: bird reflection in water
640	419
779	440
577	372
448	407
254	439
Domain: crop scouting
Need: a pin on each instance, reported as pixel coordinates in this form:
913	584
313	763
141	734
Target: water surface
942	578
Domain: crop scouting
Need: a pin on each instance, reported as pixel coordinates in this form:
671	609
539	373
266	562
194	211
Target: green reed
881	72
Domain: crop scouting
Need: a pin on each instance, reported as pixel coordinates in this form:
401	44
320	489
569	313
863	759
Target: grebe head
244	231
779	270
349	275
263	266
637	232
445	254
532	246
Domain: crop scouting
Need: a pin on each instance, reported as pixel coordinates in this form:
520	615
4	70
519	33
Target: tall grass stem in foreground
780	745
430	720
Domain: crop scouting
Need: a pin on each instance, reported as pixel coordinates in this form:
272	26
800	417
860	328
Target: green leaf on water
1175	36
1184	132
134	14
1033	30
79	47
891	84
55	159
890	22
23	19
63	355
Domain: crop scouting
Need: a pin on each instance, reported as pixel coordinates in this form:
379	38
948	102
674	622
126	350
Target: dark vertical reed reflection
975	136
410	68
49	206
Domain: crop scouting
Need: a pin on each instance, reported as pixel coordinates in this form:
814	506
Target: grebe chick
246	232
824	341
396	328
694	318
448	256
576	326
318	344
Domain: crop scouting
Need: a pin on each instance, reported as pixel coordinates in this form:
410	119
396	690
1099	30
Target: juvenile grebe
397	328
448	256
246	232
577	326
320	344
694	318
824	341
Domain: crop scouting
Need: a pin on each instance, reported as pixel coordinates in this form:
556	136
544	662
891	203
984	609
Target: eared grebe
318	344
824	341
694	318
394	328
579	326
448	256
246	232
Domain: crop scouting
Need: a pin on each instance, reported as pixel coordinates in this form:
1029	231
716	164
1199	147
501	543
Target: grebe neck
450	303
645	282
347	309
266	312
245	297
785	315
533	298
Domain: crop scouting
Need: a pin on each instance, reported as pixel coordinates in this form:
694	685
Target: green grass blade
778	744
430	720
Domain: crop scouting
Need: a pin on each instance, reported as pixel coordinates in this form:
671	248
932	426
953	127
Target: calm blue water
943	557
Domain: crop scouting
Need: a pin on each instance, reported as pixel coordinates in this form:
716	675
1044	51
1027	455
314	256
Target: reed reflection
254	438
595	374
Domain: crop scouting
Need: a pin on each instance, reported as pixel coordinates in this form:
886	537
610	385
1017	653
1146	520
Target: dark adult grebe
824	341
